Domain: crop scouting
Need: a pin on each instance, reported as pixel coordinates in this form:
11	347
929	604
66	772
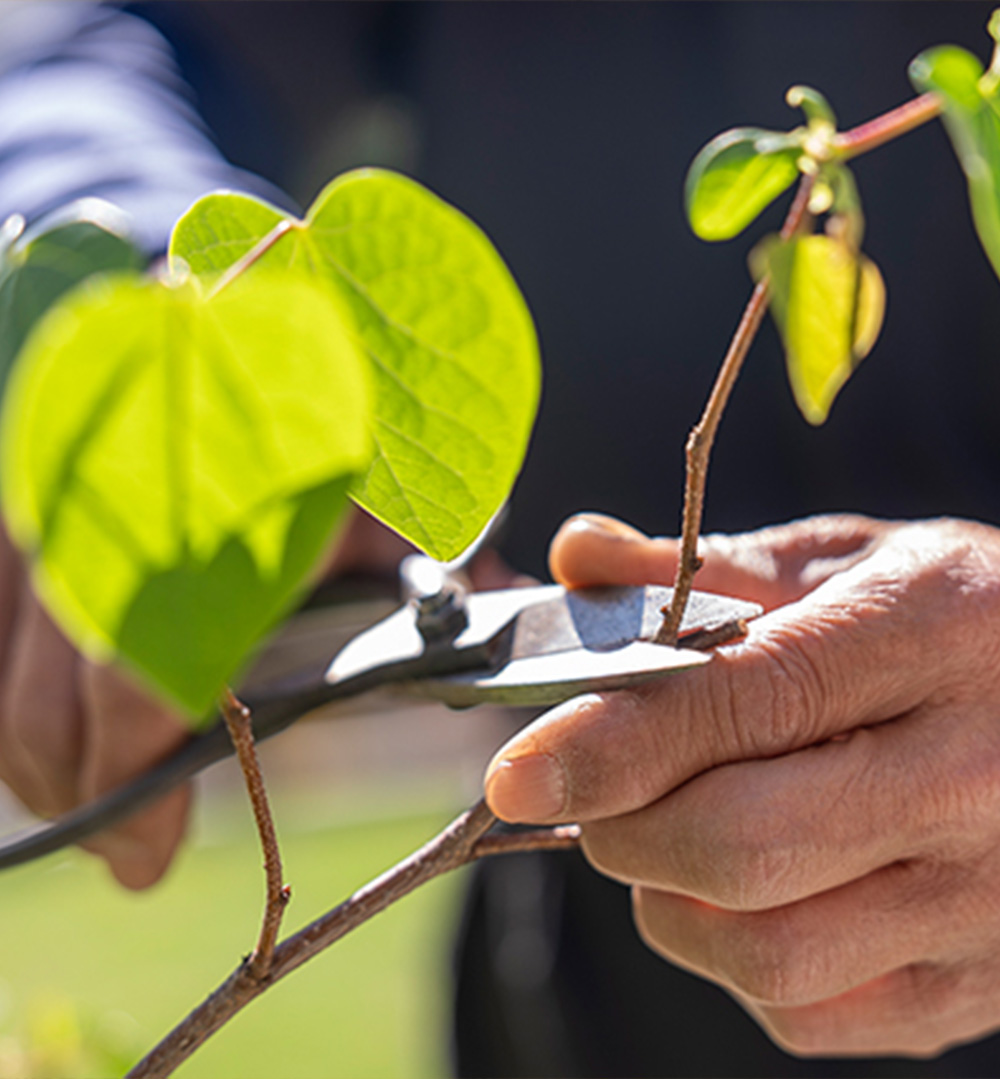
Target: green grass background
91	976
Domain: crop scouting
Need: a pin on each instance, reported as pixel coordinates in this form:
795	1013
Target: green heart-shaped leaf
972	118
39	266
450	340
736	176
828	302
173	467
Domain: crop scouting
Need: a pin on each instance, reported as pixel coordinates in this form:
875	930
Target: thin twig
848	144
563	837
703	640
237	717
890	125
463	841
702	437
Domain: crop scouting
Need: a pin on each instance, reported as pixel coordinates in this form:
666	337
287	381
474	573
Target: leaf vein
408	332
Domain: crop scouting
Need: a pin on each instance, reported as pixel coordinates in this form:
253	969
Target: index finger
860	649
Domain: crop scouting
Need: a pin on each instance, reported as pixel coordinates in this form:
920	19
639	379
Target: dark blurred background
566	129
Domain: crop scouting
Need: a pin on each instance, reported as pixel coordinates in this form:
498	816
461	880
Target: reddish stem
702	437
259	249
890	125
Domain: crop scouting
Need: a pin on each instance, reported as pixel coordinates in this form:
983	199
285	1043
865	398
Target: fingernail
608	526
531	789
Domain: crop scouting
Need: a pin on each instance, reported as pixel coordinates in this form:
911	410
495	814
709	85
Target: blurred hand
71	730
812	820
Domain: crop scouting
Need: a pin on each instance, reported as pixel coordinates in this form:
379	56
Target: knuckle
772	964
642	922
656	929
765	978
601	846
796	683
755	708
805	1032
764	875
747	858
915	1016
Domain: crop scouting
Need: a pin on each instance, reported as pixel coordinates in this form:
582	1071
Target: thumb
772	566
863	648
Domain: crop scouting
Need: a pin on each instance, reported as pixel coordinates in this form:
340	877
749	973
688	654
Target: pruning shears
514	646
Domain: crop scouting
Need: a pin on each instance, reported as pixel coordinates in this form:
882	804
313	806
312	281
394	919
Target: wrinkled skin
71	729
812	820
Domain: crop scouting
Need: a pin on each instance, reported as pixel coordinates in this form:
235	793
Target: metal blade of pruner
519	646
526	646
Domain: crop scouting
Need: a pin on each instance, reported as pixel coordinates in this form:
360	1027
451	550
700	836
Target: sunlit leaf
736	176
174	468
870	311
828	302
972	117
451	343
220	229
39	266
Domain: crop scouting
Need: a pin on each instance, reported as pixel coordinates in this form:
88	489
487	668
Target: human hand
71	730
811	820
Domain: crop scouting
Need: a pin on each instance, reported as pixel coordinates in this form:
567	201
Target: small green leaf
736	176
828	302
173	468
39	266
451	343
972	119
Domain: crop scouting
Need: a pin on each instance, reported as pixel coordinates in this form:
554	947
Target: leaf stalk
257	252
890	125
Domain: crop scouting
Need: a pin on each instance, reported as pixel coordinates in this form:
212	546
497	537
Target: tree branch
462	842
237	717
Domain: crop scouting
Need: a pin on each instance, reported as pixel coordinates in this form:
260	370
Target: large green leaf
972	117
828	301
450	340
174	467
38	267
736	176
